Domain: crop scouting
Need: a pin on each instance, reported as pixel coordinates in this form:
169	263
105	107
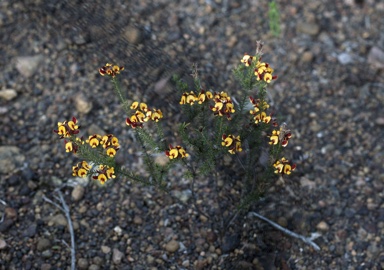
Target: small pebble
3	244
43	244
172	246
117	256
8	94
78	193
105	249
83	263
322	226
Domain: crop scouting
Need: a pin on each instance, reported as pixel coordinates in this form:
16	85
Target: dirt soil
329	59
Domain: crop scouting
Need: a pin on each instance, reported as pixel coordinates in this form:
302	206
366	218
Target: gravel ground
330	91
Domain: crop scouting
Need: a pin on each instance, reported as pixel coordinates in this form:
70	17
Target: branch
64	208
286	231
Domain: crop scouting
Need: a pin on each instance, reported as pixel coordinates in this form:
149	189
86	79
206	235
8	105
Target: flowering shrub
216	127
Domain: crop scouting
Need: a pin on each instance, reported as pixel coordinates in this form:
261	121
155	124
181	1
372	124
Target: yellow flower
154	115
68	147
282	166
102	178
111	152
203	96
134	105
81	169
94	140
140	116
232	142
175	152
247	60
264	72
110	70
262	117
274	138
67	128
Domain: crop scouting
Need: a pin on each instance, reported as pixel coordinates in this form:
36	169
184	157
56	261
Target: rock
162	160
58	220
5	225
282	221
307	57
137	220
186	263
3	244
308	28
150	259
8	94
27	65
172	246
46	266
10	159
98	260
82	104
376	58
105	249
305	182
10	213
117	256
133	35
43	244
94	267
14	180
230	243
118	230
200	264
47	253
24	190
78	193
345	58
82	263
322	226
95	129
379	121
30	231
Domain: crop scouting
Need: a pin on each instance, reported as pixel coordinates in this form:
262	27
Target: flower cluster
142	114
223	105
175	152
281	136
262	70
247	60
109	143
102	173
67	128
190	98
259	111
233	142
283	166
110	70
73	146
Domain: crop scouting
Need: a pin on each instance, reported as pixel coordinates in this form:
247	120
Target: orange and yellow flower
283	166
232	142
223	105
104	173
81	169
176	152
110	70
143	114
67	128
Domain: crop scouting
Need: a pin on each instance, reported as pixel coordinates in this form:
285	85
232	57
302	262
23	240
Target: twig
64	208
286	231
2	214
